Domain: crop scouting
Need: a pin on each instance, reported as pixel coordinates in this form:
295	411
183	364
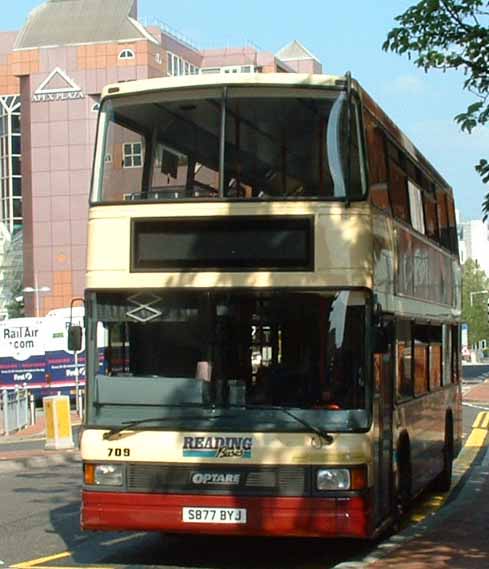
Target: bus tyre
443	481
405	479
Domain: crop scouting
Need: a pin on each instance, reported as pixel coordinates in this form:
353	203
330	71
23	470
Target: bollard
59	434
32	409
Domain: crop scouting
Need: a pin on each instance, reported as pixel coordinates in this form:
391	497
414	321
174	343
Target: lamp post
36	290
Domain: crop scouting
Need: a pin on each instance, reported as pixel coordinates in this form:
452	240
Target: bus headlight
333	479
108	475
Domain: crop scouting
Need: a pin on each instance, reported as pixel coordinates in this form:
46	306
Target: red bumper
300	517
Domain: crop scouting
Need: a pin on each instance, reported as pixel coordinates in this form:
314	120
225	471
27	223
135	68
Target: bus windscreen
268	146
293	349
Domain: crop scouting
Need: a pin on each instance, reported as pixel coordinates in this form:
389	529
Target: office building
474	243
51	75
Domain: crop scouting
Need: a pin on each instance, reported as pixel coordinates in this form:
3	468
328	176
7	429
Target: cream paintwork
268	448
342	246
354	246
385	263
216	80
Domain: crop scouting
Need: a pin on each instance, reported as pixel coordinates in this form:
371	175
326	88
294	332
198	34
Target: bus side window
452	226
435	365
420	367
430	215
398	190
441	199
379	194
447	355
428	356
456	351
404	359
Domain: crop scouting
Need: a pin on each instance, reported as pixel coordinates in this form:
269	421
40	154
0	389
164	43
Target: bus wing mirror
75	334
380	340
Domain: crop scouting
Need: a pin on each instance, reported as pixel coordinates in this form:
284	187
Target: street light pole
36	290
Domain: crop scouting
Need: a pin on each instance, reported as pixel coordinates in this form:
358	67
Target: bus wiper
127	425
324	435
327	438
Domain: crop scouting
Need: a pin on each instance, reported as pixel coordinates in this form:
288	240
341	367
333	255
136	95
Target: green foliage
483	169
15	308
451	34
475	312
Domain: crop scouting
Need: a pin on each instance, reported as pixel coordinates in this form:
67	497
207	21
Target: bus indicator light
89	474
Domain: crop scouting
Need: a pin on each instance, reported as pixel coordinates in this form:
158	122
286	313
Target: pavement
456	535
453	537
25	448
478	393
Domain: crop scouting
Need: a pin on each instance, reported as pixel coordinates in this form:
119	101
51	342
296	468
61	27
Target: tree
15	308
12	269
474	310
451	34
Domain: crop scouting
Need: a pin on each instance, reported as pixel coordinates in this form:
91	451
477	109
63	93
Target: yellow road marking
35	562
485	421
121	539
481	421
23	566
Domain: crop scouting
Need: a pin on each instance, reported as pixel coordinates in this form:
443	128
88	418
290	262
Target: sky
344	36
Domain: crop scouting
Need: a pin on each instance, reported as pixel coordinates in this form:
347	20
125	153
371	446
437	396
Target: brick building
51	75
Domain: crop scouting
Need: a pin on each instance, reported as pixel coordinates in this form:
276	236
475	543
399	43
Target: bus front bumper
284	516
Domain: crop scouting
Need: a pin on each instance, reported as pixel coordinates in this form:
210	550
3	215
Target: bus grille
219	480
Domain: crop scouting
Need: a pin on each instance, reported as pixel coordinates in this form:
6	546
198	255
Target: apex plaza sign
57	87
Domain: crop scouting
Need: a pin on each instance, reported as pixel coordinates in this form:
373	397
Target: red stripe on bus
284	516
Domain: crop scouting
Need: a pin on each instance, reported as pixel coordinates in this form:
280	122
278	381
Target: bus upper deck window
277	144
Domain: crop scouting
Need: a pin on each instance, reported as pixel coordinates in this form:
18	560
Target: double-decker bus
274	268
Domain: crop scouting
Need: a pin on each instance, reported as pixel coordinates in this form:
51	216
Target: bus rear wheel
443	481
404	488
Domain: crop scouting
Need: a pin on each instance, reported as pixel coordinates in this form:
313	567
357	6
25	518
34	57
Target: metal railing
168	30
14	410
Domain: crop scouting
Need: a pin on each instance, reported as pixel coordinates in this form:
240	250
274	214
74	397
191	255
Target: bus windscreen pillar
59	433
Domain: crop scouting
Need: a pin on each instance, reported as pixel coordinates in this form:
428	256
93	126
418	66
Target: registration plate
214	515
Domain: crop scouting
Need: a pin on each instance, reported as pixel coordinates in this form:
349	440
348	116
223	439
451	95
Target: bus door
383	415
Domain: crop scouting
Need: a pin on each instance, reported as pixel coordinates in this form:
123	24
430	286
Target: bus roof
218	79
296	80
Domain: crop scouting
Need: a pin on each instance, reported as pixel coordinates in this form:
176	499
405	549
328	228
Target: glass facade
178	66
10	162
